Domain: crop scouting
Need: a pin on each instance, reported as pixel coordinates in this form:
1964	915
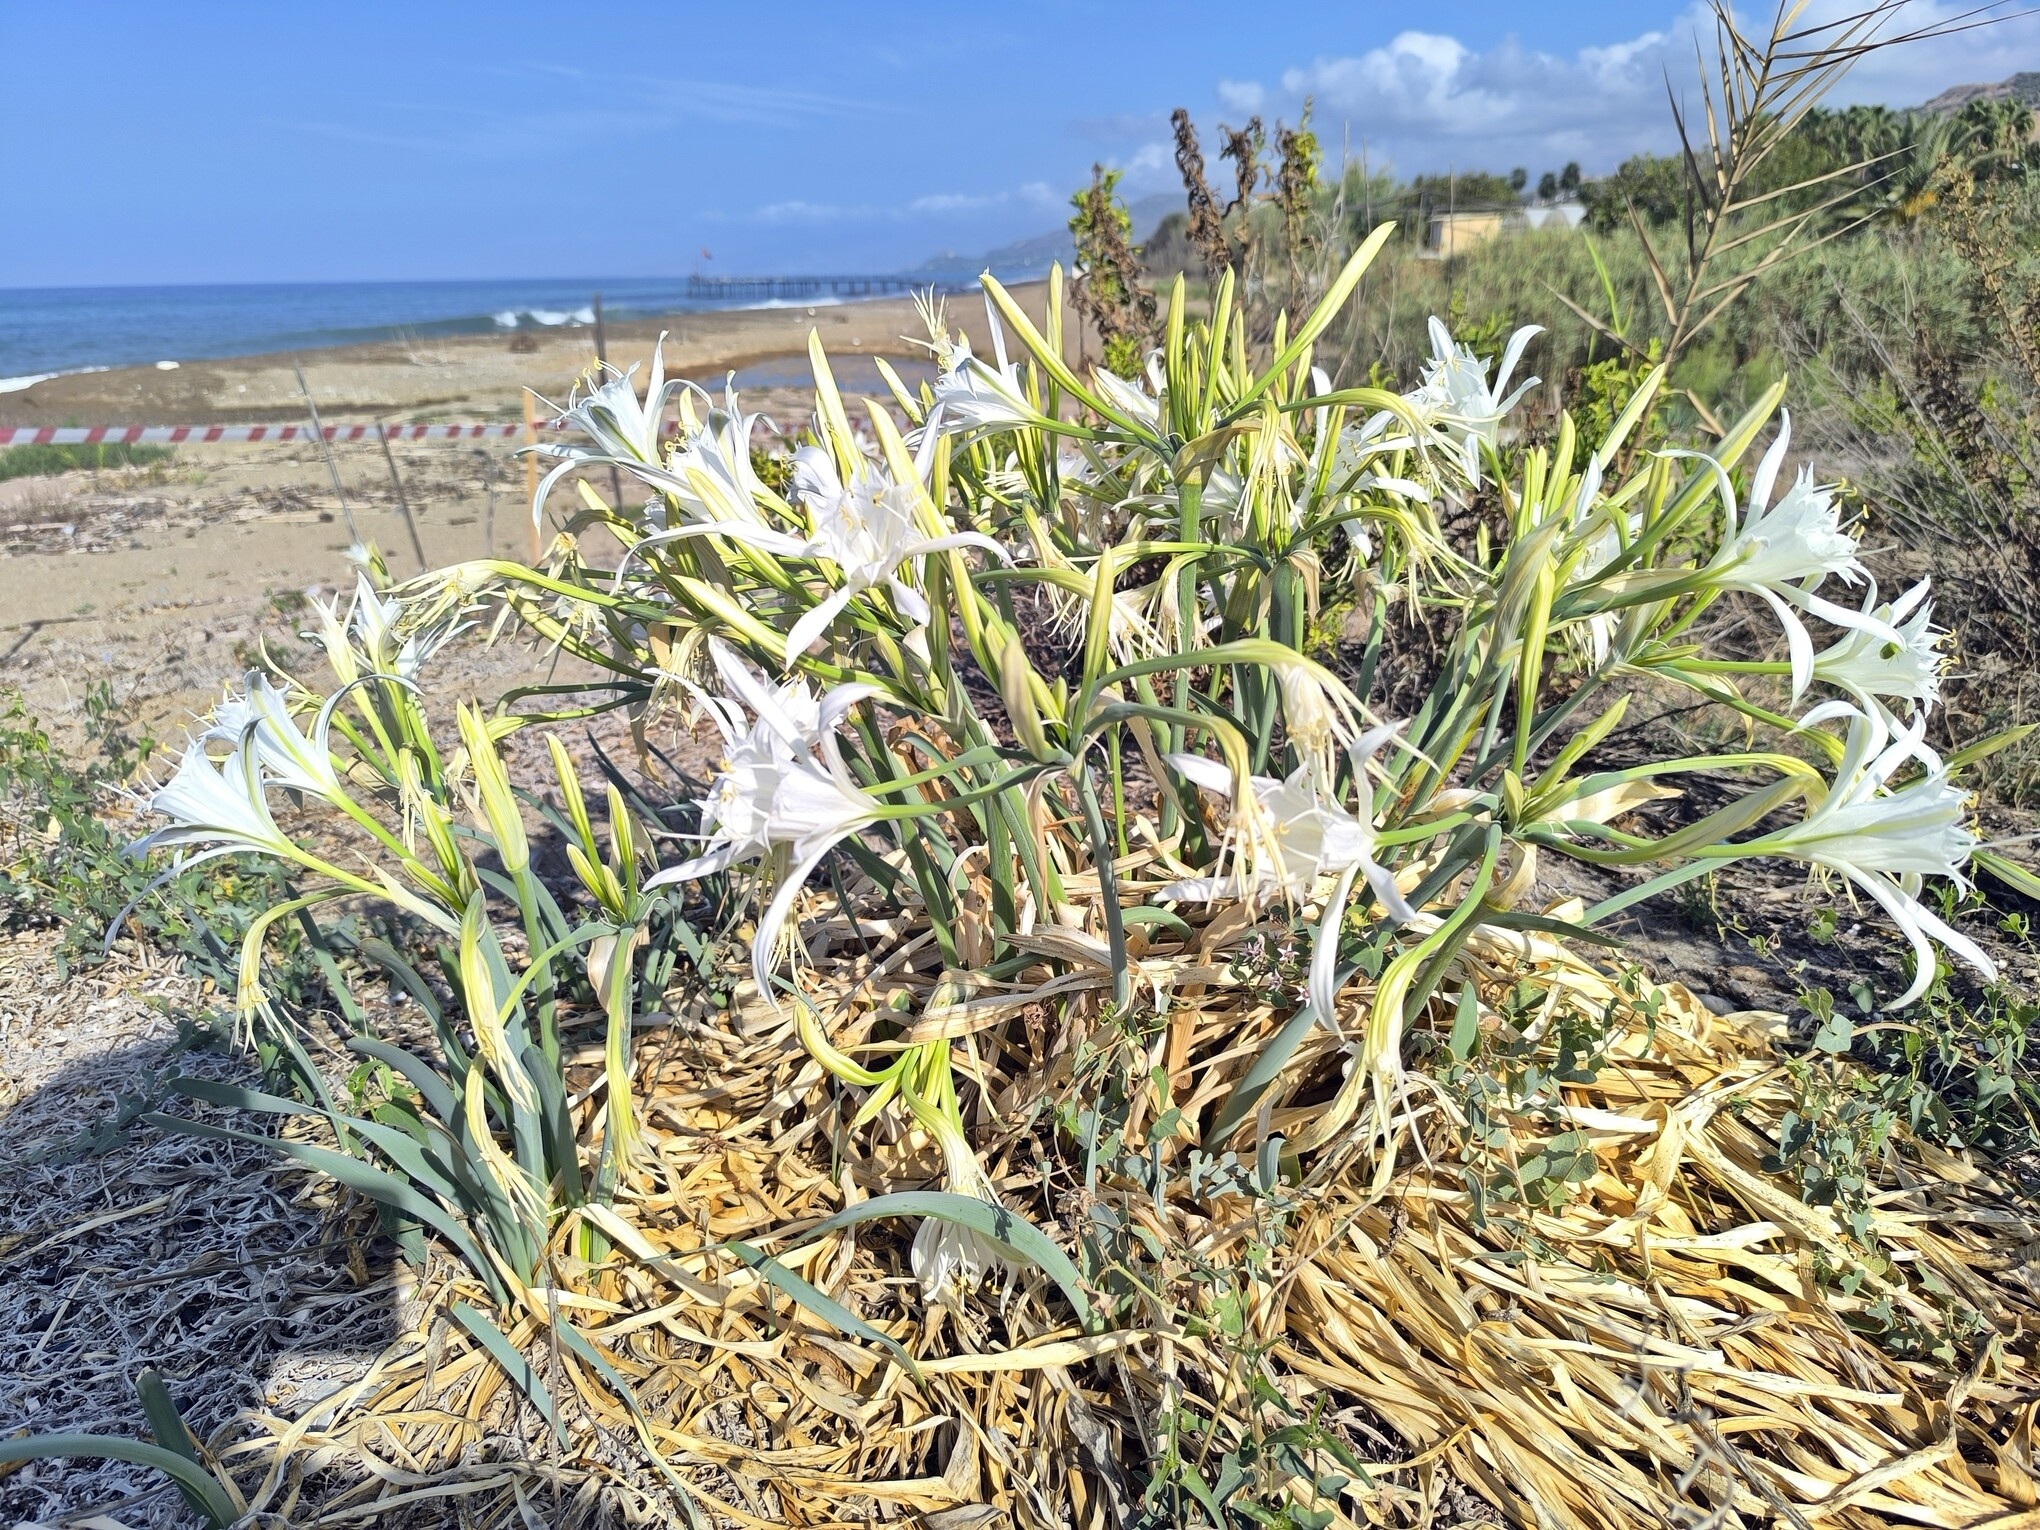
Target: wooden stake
489	514
403	504
325	446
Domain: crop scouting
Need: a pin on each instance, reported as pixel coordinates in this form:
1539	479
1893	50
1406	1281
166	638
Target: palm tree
1910	176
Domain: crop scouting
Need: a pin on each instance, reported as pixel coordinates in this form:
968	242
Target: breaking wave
549	318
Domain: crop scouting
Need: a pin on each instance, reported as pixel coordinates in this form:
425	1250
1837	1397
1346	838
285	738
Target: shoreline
481	377
168	578
54	331
465	327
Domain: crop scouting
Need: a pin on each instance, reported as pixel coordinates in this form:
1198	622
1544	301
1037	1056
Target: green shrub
64	860
43	461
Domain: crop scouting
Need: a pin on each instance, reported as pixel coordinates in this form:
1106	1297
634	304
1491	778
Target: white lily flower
974	395
738	807
1291	835
784	797
709	477
1886	841
302	764
1800	537
1318	719
1141	405
215	809
1457	398
1369	438
868	529
624	428
1292	840
334	637
714	464
1137	627
1782	554
373	622
948	1258
368	632
620	423
1866	666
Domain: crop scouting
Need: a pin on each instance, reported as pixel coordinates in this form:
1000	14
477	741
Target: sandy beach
477	377
169	579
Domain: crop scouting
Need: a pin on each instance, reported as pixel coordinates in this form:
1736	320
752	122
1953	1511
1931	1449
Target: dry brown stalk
1763	90
1207	228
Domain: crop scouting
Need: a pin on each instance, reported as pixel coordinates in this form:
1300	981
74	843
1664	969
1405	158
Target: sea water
50	330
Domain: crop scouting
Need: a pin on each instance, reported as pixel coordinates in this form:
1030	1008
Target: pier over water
795	288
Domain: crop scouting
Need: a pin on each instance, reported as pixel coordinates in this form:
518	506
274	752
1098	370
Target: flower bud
492	787
1014	673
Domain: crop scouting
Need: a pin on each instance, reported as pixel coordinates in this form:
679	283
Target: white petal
1511	356
1390	896
1201	771
1797	642
1322	986
1767	470
765	944
813	623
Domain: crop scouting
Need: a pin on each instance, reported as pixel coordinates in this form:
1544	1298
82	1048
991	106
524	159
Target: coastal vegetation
41	461
1159	1013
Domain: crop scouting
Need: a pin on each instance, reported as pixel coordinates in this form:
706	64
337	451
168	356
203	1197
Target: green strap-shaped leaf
415	1071
1512	919
165	1422
514	1365
1246	1094
1320	317
2018	878
370	1181
170	1430
1002	1226
1150	914
823	1306
386	956
200	1487
400	1147
585	1351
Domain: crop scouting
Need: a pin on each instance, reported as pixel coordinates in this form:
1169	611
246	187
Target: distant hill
2024	87
1031	257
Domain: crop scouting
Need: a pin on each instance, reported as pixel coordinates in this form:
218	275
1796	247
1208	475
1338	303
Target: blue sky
279	142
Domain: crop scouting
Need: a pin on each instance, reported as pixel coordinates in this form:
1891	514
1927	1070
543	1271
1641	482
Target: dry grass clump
1678	1338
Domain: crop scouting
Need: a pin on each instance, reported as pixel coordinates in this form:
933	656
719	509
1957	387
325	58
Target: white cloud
1241	95
1914	72
808	212
1616	58
1427	100
1149	159
1430	100
955	201
931	205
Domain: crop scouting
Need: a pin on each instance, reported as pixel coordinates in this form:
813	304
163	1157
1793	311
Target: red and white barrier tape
89	435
